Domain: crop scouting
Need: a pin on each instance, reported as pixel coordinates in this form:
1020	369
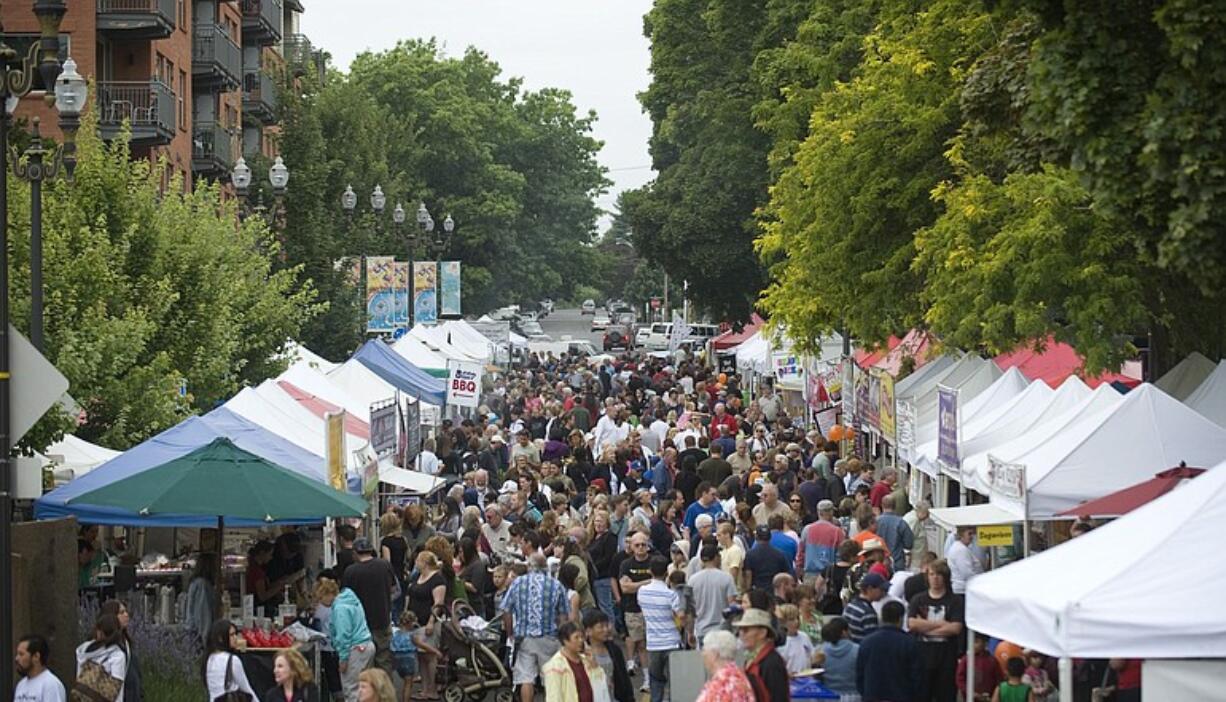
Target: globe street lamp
378	204
278	178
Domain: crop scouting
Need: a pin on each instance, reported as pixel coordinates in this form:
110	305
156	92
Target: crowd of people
606	517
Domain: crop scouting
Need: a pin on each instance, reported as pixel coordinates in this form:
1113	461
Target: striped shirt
659	603
861	618
535	602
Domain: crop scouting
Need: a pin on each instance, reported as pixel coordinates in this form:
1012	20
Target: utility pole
664	311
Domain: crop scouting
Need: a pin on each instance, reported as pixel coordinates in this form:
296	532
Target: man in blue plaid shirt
532	608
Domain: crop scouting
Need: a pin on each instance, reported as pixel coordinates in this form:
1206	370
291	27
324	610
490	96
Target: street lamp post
278	178
439	243
16	80
378	204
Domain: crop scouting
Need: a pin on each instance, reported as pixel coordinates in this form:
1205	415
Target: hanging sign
995	535
400	294
334	449
463	383
383	427
380	294
947	426
886	410
905	426
449	289
425	297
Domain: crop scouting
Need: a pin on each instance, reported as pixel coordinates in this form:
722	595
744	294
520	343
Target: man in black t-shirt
935	617
764	562
373	580
634	573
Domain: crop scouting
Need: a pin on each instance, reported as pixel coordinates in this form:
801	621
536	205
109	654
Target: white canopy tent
321	385
462	334
975	465
271	408
438	342
419	353
936	366
78	455
1210	397
971	376
1139	587
1031	399
1187	375
412	481
367	388
1009	385
297	353
997	430
1147	432
754	354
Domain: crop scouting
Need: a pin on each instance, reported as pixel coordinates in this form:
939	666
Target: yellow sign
999	535
334	449
886	410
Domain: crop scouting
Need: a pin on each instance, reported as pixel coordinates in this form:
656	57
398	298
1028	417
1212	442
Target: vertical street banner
400	294
872	401
886	410
425	296
863	399
463	383
334	449
848	391
449	289
380	294
680	333
947	426
383	427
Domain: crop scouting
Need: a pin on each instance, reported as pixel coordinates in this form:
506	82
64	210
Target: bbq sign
463	383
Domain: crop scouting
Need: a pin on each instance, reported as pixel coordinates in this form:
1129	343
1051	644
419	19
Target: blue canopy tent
398	372
177	441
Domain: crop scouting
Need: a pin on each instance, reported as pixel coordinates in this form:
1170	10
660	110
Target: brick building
196	80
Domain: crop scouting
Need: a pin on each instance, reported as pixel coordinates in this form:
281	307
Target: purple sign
947	426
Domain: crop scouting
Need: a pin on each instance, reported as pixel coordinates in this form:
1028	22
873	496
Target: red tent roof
1056	362
866	358
915	345
319	407
1124	501
732	338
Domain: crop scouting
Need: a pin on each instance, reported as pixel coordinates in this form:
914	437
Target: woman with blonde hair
442	549
416	529
293	678
425	594
375	686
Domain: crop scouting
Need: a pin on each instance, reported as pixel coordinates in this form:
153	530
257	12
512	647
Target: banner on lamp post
425	295
463	383
886	409
449	289
400	294
947	427
334	449
380	294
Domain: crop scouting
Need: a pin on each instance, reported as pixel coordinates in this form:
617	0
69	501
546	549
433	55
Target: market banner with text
449	289
425	297
380	294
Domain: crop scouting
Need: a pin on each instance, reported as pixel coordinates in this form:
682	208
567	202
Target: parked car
531	328
642	334
600	320
546	307
528	316
617	337
661	332
589	307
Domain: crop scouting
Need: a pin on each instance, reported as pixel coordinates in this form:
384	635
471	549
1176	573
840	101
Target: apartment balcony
214	150
148	107
262	21
299	54
259	96
137	19
217	61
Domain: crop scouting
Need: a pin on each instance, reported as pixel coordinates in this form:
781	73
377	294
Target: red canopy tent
1056	362
914	345
732	338
866	358
1124	501
319	407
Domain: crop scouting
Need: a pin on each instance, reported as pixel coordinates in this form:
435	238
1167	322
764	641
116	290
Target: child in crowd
798	651
811	620
1013	689
1037	678
404	650
987	672
839	659
676	582
680	553
329	661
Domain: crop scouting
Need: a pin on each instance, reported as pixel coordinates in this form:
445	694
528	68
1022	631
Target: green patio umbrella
222	480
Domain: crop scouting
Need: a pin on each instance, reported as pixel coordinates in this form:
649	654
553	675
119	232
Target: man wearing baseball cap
764	562
765	668
860	615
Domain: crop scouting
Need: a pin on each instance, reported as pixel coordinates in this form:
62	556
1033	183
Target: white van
661	332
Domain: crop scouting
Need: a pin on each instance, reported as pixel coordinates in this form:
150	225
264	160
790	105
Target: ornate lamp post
278	178
16	80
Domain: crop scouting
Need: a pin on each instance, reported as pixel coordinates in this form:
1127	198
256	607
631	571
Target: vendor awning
179	440
1055	362
972	515
399	373
732	338
412	481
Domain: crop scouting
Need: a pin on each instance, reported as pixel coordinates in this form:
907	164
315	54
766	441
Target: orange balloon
1006	650
836	432
723	378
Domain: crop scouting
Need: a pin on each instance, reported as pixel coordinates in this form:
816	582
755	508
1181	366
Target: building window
182	105
183	16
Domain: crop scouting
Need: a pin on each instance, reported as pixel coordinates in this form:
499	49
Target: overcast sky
594	48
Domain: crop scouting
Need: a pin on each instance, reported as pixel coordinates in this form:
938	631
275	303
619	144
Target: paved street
572	322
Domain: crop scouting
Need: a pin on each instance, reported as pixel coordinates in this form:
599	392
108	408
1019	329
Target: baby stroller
475	669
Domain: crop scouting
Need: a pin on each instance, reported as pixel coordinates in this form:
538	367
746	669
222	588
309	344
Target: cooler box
810	689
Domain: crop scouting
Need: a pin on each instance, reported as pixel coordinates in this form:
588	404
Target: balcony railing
137	19
259	95
216	58
262	20
299	54
149	107
214	148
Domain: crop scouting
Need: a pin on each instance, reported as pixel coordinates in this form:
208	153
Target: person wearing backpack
1013	689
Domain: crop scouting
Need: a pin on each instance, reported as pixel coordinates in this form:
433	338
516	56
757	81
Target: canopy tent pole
970	664
224	610
1025	516
1066	679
